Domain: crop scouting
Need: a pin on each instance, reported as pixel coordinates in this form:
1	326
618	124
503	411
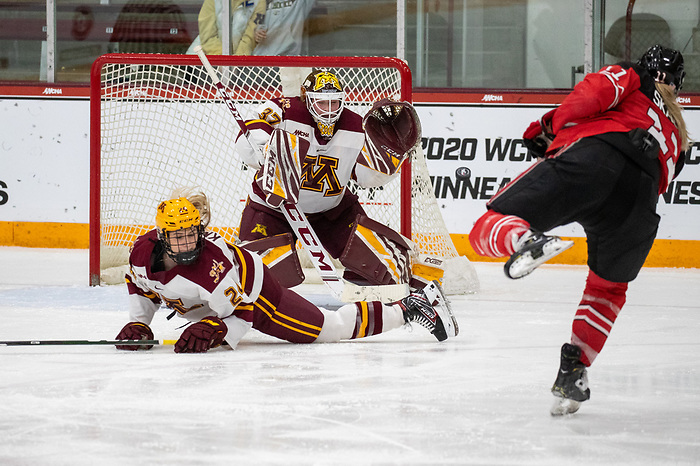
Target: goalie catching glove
393	134
200	337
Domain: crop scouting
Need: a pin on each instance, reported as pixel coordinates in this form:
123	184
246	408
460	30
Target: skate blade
564	406
524	264
439	300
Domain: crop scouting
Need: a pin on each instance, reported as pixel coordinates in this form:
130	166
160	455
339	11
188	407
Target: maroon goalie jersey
619	98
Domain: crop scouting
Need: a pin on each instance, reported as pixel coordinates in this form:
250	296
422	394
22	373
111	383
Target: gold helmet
324	96
179	223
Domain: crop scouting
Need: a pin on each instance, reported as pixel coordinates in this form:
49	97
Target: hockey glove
393	132
250	149
538	136
200	337
135	331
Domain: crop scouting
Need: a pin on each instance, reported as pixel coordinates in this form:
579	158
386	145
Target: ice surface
399	398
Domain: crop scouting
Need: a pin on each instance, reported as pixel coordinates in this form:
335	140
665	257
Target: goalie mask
323	94
665	65
180	230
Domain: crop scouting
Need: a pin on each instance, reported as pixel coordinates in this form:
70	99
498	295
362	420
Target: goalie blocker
280	175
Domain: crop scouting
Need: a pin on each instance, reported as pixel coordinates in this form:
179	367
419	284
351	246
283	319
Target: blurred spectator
283	28
646	30
151	26
245	15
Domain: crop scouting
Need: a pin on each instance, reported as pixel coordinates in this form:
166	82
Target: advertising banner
472	151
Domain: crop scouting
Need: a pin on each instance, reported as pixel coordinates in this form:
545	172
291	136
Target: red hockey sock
494	234
601	303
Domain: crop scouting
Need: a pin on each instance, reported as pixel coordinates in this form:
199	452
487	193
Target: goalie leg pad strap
280	255
377	253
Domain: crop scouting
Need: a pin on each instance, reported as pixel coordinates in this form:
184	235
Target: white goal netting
158	124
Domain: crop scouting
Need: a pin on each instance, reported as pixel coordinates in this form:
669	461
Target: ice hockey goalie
341	146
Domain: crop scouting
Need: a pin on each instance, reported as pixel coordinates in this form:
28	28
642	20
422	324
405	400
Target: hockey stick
295	217
86	342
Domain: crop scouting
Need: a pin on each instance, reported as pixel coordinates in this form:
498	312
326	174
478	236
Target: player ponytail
675	112
197	197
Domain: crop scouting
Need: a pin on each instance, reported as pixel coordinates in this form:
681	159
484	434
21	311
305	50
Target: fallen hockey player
226	290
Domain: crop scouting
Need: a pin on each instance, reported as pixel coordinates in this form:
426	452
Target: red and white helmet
324	96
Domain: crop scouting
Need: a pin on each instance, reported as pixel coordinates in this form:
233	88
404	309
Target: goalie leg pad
259	221
280	255
425	269
377	253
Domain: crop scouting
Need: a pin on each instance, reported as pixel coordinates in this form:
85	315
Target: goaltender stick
225	290
333	145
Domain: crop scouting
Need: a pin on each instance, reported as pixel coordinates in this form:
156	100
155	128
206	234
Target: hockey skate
430	308
571	386
532	250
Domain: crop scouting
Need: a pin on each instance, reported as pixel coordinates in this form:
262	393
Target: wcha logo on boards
52	91
492	98
138	93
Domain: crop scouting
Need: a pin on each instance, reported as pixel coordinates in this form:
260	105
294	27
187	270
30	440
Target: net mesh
163	126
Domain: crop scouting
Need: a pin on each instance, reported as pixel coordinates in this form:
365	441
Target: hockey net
157	124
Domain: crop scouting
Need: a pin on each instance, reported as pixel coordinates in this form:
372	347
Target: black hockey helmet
664	64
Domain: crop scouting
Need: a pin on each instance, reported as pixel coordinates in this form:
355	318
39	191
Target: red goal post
156	123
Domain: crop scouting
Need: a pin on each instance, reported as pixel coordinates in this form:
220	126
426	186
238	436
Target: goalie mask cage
158	124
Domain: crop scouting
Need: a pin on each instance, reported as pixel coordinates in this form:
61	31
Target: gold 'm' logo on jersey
319	172
323	78
216	270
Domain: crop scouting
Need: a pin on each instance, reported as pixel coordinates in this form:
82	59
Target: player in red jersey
606	154
226	290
